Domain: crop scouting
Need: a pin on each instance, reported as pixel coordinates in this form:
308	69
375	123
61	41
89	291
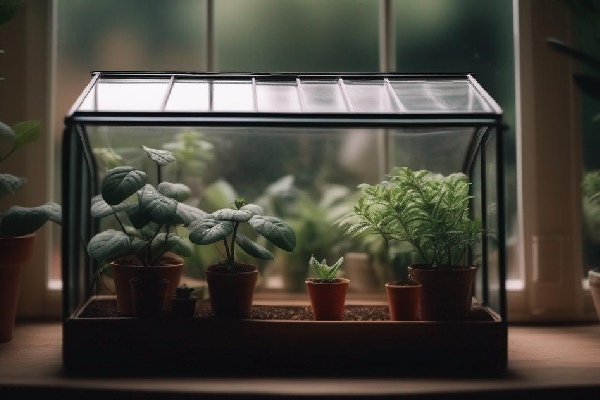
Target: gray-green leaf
19	221
6	131
161	157
161	209
9	184
176	191
275	231
252	248
109	245
120	183
209	230
230	214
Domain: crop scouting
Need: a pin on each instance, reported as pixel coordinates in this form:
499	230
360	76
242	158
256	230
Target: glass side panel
189	95
371	96
457	96
126	95
441	150
306	176
323	96
278	97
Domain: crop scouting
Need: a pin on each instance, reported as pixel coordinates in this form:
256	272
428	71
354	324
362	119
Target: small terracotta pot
124	271
403	300
148	296
183	308
231	293
327	299
446	294
15	252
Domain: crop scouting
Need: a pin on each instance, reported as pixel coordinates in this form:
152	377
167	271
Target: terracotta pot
594	280
446	294
403	300
14	254
327	299
183	308
148	294
231	293
125	270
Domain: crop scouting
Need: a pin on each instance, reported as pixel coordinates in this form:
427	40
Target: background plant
18	220
428	210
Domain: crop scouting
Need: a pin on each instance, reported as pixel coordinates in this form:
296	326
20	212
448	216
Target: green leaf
171	242
188	213
26	132
161	209
176	191
19	221
109	245
275	231
120	183
209	230
101	208
9	184
229	214
252	248
161	157
6	131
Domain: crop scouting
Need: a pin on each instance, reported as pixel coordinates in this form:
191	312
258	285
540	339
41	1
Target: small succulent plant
184	291
222	225
326	272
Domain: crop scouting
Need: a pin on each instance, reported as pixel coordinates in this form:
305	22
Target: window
311	35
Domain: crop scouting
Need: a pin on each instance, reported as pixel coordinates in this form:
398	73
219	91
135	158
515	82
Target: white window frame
548	156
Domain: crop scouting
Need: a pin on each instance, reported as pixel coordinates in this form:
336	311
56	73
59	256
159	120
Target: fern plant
427	210
326	272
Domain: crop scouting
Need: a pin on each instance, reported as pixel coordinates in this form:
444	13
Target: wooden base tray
281	340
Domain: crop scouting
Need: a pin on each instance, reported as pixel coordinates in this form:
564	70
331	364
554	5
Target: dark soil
107	308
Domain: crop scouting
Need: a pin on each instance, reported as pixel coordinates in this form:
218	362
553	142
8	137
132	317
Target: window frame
539	75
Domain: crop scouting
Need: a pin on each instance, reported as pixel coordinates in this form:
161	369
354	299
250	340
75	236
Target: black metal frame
79	183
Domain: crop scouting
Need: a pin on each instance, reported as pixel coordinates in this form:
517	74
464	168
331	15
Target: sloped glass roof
345	95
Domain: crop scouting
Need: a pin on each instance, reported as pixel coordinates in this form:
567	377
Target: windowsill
561	359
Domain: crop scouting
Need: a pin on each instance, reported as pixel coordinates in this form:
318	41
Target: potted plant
404	298
311	212
148	249
591	230
430	212
18	225
183	302
231	283
327	293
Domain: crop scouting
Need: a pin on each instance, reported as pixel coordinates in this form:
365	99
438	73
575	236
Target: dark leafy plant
587	11
151	219
326	272
18	220
429	211
223	226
